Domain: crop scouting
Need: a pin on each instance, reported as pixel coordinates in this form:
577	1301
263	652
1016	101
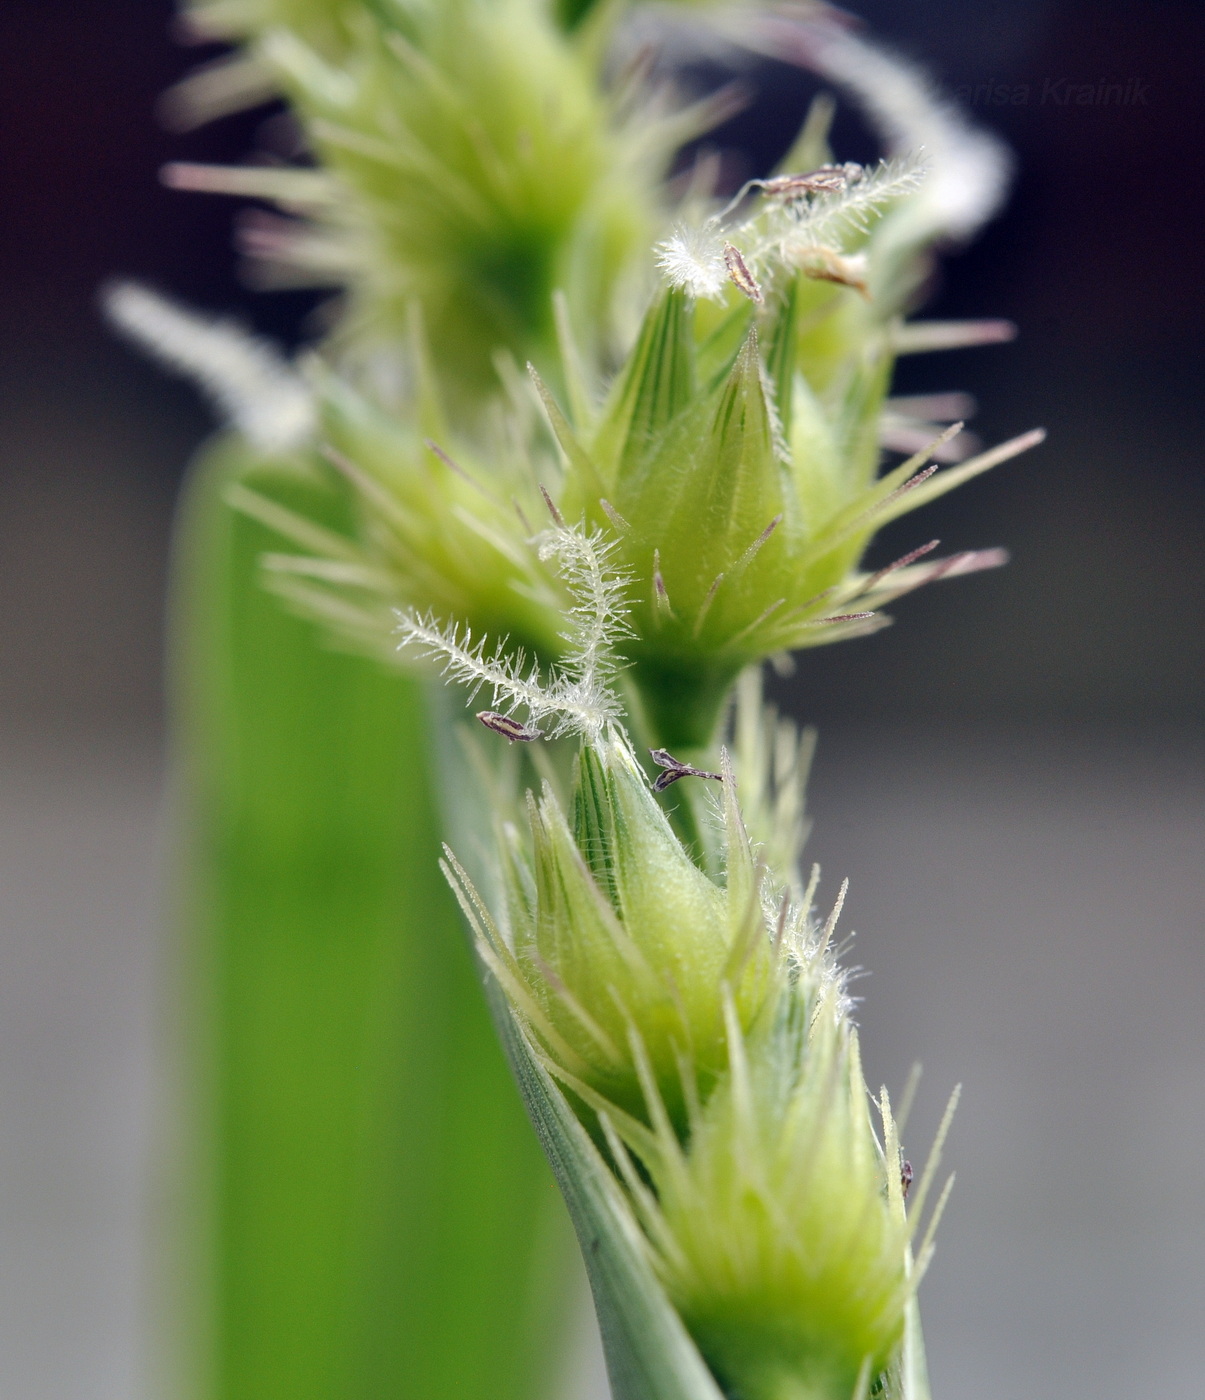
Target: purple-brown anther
675	769
509	728
828	179
738	272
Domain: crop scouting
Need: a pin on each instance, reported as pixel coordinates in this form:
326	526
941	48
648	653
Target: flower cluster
615	944
704	425
734	457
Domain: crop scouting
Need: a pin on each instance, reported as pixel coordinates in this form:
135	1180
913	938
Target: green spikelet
741	509
616	941
780	1243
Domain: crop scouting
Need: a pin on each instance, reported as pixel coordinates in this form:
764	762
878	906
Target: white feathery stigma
575	697
693	260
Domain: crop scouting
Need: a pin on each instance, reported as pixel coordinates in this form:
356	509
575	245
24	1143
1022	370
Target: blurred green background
1014	776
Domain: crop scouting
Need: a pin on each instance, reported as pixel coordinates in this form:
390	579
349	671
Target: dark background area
1101	612
1014	775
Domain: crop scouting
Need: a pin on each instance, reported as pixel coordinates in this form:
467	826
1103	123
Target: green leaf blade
372	1215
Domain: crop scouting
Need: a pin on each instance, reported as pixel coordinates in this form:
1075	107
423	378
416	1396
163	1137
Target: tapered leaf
376	1219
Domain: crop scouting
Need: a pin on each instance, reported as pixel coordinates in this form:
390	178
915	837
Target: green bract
442	533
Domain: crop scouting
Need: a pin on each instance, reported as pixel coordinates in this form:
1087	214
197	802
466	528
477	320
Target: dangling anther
829	179
509	728
740	276
674	769
905	1179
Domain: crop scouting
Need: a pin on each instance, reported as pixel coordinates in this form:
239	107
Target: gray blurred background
1013	777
